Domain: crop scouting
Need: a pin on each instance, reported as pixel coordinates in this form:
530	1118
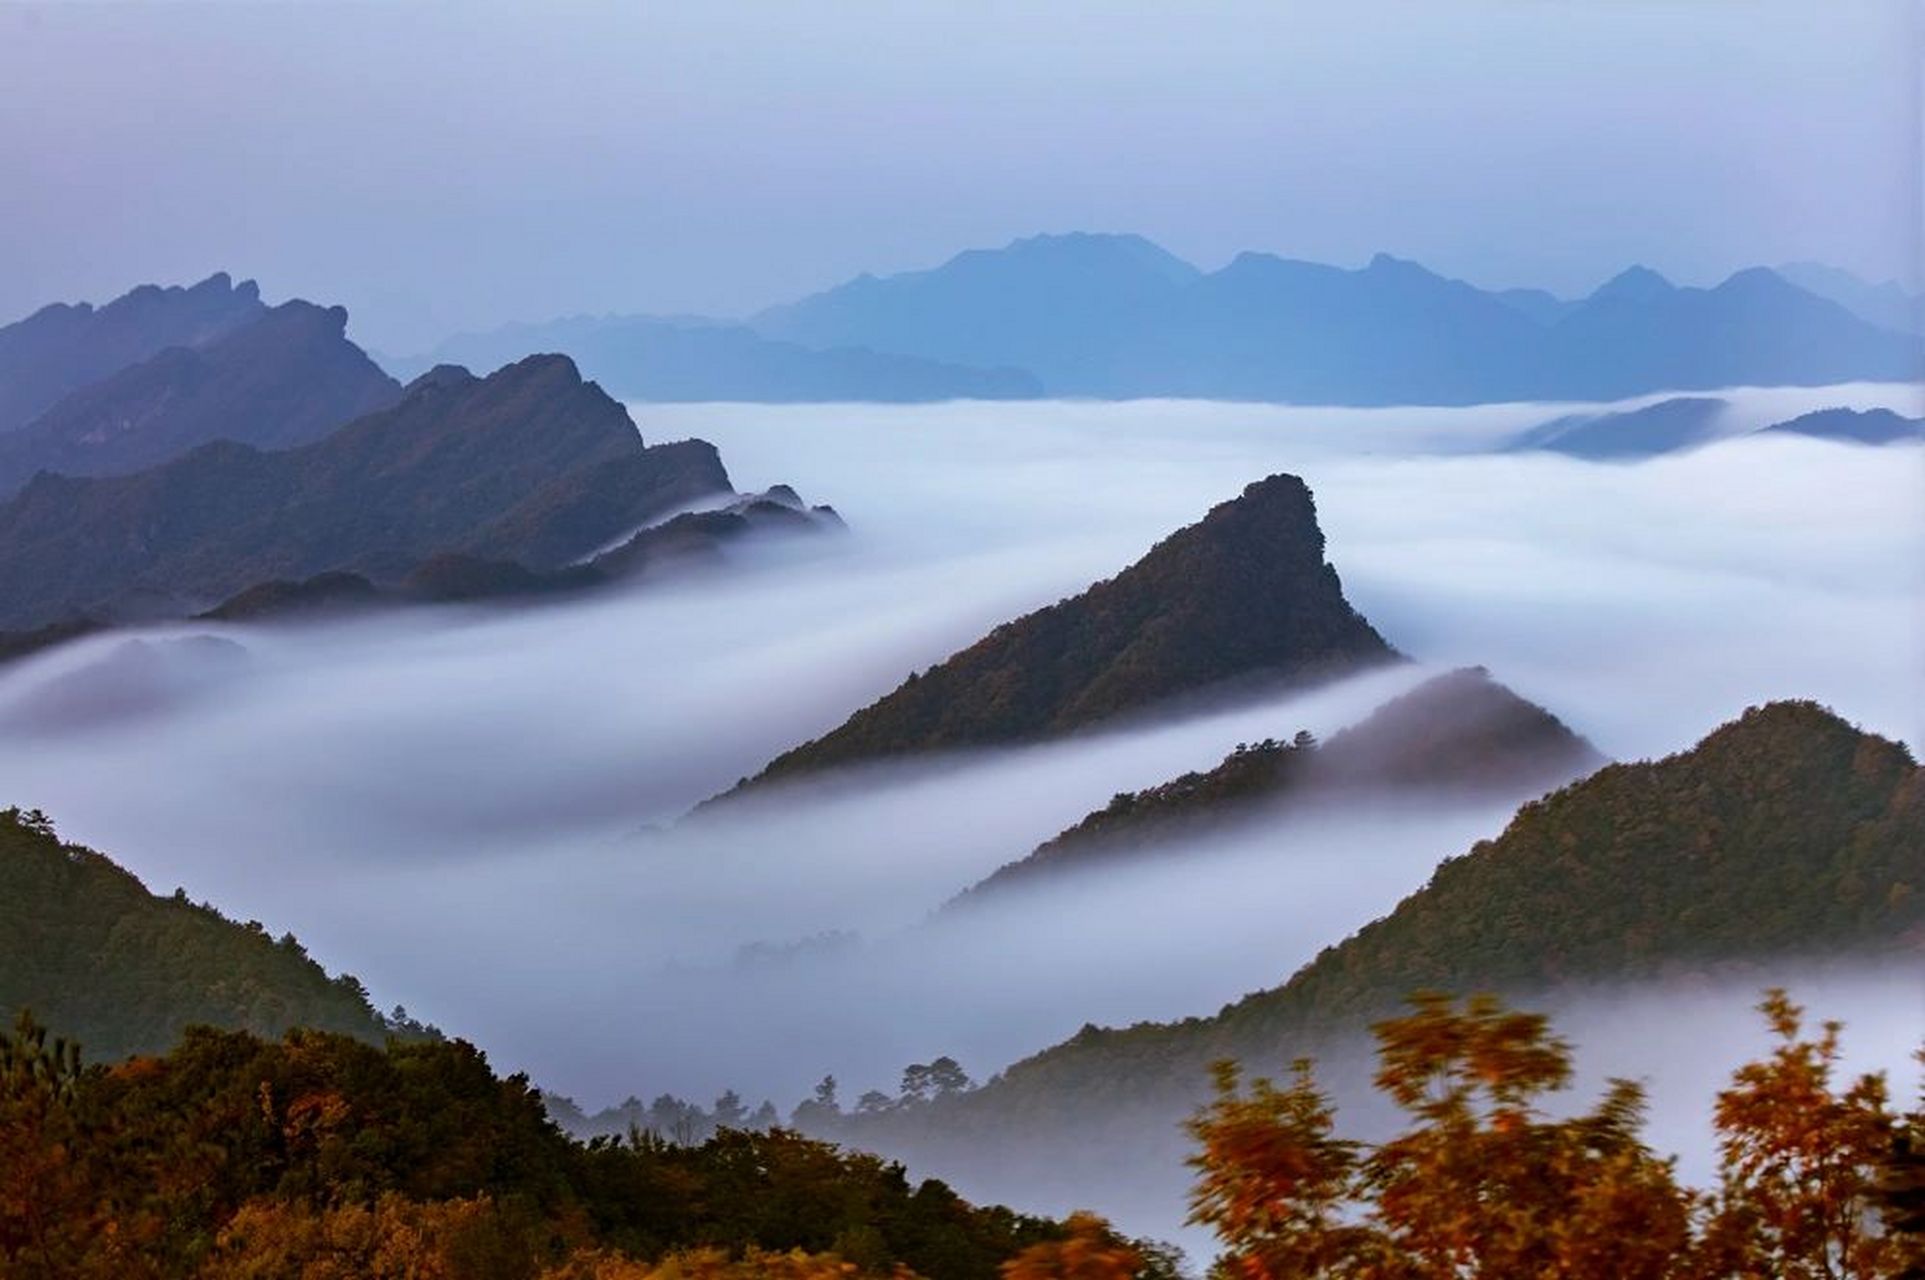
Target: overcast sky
438	168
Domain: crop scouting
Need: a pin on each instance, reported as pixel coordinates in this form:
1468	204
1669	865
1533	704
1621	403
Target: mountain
285	378
89	950
1786	833
1640	333
64	347
1669	426
1115	316
529	464
644	358
1460	733
1056	305
687	539
1856	426
1242	595
1887	305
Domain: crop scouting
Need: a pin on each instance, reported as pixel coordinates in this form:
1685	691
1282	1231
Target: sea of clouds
472	808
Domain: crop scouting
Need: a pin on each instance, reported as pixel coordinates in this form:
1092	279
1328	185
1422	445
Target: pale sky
441	167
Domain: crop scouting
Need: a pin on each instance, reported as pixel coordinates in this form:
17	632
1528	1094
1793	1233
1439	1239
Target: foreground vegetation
324	1157
321	1156
1818	1177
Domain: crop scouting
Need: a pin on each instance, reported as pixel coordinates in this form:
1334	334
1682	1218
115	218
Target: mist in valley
476	810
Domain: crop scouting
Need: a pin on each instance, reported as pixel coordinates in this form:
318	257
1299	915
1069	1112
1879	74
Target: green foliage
89	950
1785	833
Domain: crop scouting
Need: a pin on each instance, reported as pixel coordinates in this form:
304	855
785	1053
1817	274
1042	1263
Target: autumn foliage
1484	1182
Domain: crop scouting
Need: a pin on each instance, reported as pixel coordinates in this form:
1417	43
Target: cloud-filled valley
472	808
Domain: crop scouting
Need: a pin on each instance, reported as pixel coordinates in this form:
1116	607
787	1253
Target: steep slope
1460	733
285	379
1855	426
1785	832
1669	426
644	358
530	464
1244	594
63	347
92	953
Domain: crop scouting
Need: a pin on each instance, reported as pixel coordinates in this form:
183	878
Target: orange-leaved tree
1483	1182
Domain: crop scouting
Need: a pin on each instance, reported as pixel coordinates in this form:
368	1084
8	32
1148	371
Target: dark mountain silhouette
87	948
646	358
1887	305
1460	733
1114	316
530	464
1243	595
1669	426
64	347
1857	426
285	378
688	539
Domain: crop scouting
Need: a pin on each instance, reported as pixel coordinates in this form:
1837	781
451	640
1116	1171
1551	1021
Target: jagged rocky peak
1242	596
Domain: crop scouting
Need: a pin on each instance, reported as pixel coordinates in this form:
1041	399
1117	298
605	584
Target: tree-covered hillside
89	950
321	1156
1786	833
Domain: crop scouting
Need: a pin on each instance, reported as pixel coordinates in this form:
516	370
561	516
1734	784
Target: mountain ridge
1155	632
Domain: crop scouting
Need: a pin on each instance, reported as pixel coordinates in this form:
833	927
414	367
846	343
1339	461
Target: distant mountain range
1456	735
647	358
286	377
1242	596
1115	316
1888	304
1684	423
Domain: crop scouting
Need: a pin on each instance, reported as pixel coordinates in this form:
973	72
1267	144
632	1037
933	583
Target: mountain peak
1243	595
1634	284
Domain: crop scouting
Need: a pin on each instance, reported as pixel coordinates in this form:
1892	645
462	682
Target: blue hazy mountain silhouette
1887	304
650	358
1856	426
1669	426
1116	316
